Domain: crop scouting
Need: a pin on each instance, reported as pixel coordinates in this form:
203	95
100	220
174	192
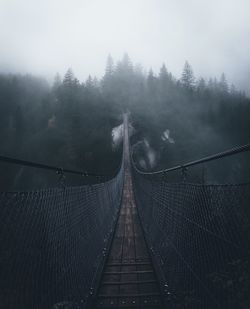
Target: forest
73	124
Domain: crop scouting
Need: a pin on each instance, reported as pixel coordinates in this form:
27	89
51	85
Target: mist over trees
70	123
177	120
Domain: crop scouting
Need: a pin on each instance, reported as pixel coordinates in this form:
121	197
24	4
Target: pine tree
95	82
108	79
187	78
69	78
223	85
164	82
201	85
57	81
163	75
89	83
109	66
127	65
151	83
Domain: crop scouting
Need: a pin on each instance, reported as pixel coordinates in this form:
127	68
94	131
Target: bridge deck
128	280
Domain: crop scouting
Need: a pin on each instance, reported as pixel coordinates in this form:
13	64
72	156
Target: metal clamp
184	171
62	177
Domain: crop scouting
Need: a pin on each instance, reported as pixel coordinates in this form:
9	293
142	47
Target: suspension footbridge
132	241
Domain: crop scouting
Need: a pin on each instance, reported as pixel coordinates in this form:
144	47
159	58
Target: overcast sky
48	36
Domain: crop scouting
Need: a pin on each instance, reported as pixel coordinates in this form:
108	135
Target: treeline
70	123
178	120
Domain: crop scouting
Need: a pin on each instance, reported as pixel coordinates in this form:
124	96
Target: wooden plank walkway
128	280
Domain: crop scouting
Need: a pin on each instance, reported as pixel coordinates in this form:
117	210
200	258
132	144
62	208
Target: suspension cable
227	153
59	170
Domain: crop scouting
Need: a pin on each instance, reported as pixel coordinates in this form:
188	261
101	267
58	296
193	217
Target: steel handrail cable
198	233
52	168
63	234
223	154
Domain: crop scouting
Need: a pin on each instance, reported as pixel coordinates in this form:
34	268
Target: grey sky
48	36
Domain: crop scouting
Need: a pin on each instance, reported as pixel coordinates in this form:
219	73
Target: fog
45	37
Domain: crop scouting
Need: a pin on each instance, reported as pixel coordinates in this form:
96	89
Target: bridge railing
28	175
199	237
54	241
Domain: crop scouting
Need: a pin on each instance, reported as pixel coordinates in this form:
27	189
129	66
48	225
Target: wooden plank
129	295
129	279
128	272
129	282
128	264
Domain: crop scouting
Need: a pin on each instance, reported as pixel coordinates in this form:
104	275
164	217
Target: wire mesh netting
199	236
53	243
